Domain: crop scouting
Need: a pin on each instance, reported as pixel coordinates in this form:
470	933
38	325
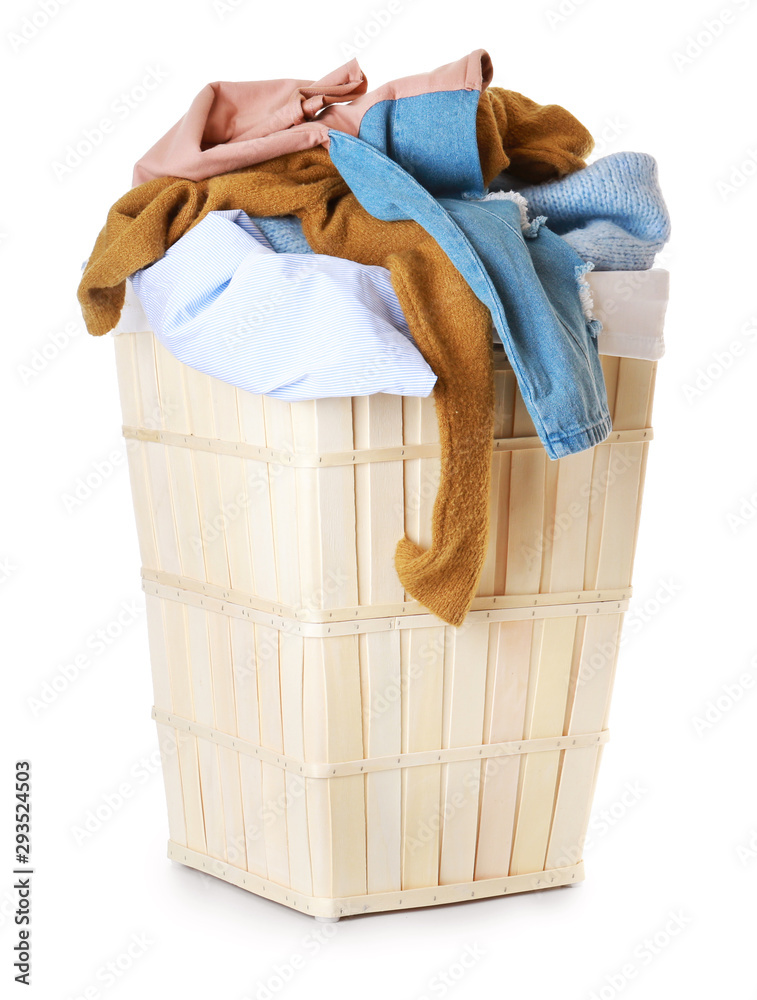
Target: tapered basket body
326	742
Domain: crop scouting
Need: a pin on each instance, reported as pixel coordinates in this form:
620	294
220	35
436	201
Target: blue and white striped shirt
293	326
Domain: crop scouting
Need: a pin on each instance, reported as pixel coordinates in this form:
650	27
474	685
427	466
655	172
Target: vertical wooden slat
343	719
283	494
465	664
128	384
202	693
224	711
291	664
200	390
610	365
619	524
326	506
549	514
635	403
315	740
548	688
632	394
182	702
507	688
597	492
590	700
379	500
257	486
244	664
333	732
271	736
422	653
526	511
381	686
168	737
626	464
174	402
493	574
596	499
233	490
379	511
570	524
151	416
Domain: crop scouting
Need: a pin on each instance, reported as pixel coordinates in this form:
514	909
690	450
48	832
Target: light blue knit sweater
612	213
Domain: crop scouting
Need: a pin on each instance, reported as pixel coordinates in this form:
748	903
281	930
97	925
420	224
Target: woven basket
326	742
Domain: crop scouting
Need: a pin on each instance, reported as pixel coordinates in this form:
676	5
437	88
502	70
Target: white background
680	797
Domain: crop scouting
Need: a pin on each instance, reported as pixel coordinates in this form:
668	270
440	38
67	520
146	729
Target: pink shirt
233	125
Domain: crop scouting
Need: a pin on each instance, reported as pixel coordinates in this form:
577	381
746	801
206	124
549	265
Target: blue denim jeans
530	283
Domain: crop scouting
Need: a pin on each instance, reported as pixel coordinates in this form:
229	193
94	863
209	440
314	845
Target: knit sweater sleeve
536	142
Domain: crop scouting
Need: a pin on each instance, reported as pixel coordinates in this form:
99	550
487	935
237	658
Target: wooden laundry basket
326	742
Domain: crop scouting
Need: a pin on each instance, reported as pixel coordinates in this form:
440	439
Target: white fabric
631	307
293	326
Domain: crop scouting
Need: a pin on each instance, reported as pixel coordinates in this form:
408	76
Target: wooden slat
465	664
284	500
610	368
224	711
545	712
128	383
345	740
381	692
315	741
570	524
177	653
161	499
258	496
507	689
379	513
652	367
422	655
207	481
596	503
168	737
291	666
379	508
526	512
174	400
632	409
326	506
233	491
271	735
202	697
333	731
619	527
632	394
244	663
549	513
589	703
493	574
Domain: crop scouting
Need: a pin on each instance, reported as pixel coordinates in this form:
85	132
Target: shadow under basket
326	742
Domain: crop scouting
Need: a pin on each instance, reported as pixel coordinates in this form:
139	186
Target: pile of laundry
310	239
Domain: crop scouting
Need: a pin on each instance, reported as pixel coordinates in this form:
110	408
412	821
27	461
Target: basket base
347	906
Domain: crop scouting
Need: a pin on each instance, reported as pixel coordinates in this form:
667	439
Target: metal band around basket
322	629
309	769
358	456
366	611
